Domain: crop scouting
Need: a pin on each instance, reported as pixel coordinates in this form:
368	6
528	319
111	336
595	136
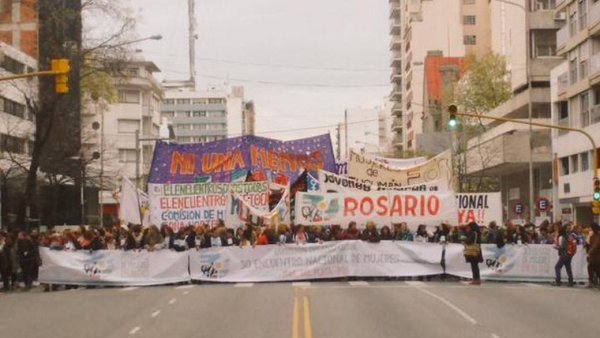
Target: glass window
469	20
182	101
168	114
543	5
129	96
127	156
199	113
183	113
584	101
585	161
564	166
574	163
544	42
12	144
582	9
13	108
470	39
216	101
12	65
133	72
169	101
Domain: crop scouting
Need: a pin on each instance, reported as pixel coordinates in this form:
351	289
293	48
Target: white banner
245	212
482	208
330	182
515	262
113	267
400	163
314	261
438	168
180	205
382	207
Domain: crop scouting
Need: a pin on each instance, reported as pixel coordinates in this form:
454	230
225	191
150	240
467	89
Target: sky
302	62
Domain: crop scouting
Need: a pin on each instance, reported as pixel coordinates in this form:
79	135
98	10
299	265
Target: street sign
518	208
543	204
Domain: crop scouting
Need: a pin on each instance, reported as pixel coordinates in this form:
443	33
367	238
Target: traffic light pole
596	211
34	74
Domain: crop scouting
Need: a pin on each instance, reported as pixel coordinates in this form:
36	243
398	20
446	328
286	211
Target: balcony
396	75
594	18
397	125
397	141
595	65
396	93
562	36
395	26
396	59
396	43
397	109
563	82
394	9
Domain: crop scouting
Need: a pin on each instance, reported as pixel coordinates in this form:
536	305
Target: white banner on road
414	208
515	262
314	261
113	267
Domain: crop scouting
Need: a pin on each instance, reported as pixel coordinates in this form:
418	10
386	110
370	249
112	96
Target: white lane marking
358	283
495	335
131	288
172	301
155	313
450	305
187	286
135	330
243	285
533	285
415	283
301	284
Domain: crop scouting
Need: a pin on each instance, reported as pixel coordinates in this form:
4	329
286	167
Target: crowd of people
20	258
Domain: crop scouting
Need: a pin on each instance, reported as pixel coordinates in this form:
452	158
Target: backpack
571	246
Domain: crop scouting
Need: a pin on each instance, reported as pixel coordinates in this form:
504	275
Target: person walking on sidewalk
566	247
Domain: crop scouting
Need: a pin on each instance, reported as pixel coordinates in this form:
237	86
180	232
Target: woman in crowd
135	238
401	232
248	236
472	250
564	259
370	234
422	235
352	232
153	240
300	237
386	233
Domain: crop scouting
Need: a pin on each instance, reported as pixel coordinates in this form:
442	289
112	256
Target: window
128	126
168	114
183	127
127	156
182	101
199	101
184	139
585	161
470	39
14	108
574	163
183	113
216	101
543	42
582	9
564	166
169	101
573	70
12	65
132	72
129	96
12	144
572	19
584	100
544	5
469	20
199	113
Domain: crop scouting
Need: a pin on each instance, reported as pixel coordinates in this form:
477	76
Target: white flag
129	209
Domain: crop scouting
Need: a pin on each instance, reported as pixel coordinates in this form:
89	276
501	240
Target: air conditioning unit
560	16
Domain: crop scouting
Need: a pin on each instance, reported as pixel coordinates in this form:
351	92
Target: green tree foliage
484	86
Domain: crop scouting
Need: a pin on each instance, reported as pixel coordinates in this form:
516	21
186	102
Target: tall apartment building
19	25
111	129
418	26
209	115
477	30
576	103
523	32
16	124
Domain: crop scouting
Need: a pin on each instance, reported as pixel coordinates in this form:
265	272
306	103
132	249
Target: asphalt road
306	310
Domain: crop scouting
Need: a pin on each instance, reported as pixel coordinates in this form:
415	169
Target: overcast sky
297	59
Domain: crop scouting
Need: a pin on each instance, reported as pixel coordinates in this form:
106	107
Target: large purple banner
232	159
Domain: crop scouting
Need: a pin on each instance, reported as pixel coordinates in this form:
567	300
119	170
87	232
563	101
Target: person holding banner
472	251
594	256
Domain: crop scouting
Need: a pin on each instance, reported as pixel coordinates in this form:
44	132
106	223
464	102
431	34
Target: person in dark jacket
564	259
27	258
135	238
593	255
370	234
5	263
473	236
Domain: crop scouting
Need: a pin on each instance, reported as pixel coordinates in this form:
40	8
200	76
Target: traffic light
452	122
61	68
596	195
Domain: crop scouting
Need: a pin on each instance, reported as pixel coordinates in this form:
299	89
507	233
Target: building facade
576	103
208	115
19	25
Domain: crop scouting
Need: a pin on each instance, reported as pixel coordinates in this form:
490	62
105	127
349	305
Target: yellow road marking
307	326
296	319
